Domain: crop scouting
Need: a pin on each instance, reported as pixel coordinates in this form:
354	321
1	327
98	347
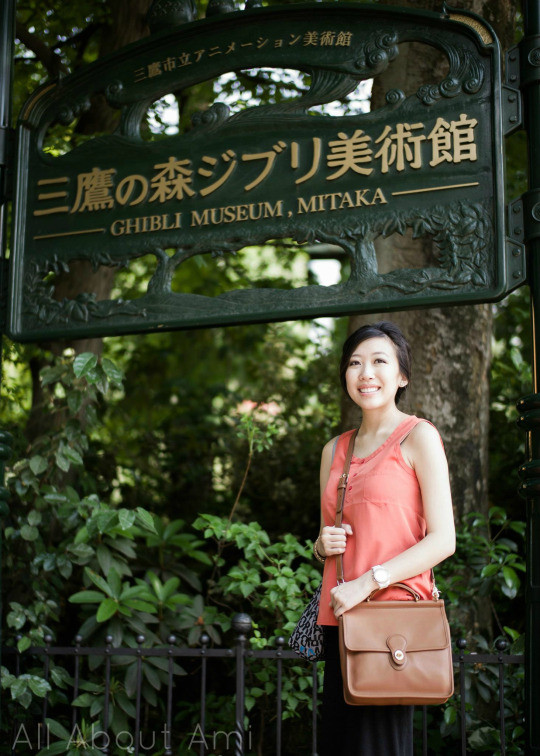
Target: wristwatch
381	576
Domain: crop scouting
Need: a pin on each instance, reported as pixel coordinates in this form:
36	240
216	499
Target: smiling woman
397	525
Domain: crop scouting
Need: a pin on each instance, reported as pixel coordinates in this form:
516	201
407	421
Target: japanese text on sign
400	148
308	39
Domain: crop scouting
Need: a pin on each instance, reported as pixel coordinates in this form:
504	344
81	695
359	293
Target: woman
397	524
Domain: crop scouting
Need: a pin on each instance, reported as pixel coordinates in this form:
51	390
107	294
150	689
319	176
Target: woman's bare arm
332	540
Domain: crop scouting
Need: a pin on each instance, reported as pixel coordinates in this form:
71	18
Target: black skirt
358	730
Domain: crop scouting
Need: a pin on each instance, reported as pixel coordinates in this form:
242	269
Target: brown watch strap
341	489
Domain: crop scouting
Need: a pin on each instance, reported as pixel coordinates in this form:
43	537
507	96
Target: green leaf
514	634
82	553
141	606
106	610
54	497
38	464
156	584
113	373
61	461
73	455
124	547
125	704
246	589
146	519
106	520
94	375
100	382
99	582
56	748
131	680
86	597
29	533
74	401
490	570
83	363
139	591
16	618
23	644
60	677
104	557
510	577
57	729
34	517
511	593
483	737
95	708
126	518
7	678
152	676
38	686
20	692
170	588
115	583
85	699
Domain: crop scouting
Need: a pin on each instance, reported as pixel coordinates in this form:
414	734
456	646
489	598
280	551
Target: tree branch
262	79
81	36
50	60
80	41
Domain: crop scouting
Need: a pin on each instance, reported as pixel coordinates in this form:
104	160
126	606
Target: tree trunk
127	24
451	345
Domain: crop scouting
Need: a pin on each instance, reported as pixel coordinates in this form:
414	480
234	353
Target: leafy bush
89	554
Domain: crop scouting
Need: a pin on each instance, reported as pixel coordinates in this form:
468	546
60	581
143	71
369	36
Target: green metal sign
430	162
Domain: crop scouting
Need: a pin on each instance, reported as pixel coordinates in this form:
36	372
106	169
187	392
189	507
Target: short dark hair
375	330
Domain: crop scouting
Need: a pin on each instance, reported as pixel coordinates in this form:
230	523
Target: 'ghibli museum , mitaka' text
251	211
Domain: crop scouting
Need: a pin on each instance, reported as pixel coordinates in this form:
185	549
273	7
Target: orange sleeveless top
383	506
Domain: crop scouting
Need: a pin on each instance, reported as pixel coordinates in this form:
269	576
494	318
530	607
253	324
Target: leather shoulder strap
342	487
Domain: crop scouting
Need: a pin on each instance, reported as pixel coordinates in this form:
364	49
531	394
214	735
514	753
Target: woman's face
373	375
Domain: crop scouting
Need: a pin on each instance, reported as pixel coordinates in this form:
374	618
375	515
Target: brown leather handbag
393	652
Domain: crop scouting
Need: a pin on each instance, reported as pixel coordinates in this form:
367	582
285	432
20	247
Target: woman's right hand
334	540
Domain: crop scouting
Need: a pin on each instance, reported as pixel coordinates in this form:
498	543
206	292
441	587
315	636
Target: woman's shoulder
327	458
329	449
330	446
425	428
423	445
423	435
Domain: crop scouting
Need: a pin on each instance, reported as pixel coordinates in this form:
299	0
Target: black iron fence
31	734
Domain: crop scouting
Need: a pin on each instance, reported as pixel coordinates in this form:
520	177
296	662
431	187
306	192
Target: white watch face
381	575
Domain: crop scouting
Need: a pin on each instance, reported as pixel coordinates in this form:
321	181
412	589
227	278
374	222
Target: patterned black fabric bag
307	638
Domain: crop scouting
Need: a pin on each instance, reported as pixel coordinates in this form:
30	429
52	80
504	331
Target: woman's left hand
347	595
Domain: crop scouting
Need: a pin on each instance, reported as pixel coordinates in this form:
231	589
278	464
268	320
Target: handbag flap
423	624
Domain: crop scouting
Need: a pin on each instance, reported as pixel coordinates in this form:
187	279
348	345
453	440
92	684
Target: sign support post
7	38
7	34
529	406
